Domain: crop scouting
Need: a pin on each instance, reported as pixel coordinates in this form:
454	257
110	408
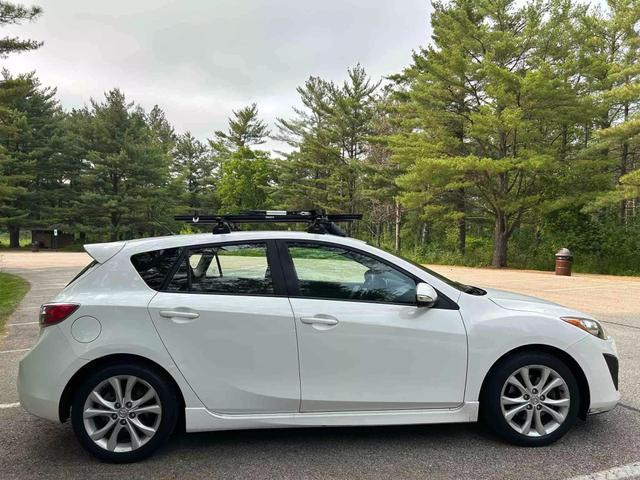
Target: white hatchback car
288	329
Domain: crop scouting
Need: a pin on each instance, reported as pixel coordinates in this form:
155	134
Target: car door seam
175	364
295	327
466	373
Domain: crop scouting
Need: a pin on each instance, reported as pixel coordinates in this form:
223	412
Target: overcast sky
200	59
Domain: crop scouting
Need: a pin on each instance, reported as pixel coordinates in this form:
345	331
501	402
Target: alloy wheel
535	400
122	413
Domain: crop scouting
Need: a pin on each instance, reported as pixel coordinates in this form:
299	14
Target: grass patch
25	239
12	290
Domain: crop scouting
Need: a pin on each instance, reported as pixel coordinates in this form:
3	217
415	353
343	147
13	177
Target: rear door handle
327	320
178	314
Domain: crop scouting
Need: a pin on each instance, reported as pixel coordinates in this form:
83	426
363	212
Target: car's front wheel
531	399
123	413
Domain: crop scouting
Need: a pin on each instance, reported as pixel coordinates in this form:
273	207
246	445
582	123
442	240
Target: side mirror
426	295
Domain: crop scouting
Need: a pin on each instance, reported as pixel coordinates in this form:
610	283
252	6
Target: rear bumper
44	372
598	360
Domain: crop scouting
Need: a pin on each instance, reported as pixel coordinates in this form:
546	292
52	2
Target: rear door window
238	269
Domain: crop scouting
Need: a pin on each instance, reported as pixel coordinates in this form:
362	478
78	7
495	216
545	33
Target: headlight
588	325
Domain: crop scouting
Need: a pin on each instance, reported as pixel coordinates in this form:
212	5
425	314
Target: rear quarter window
154	266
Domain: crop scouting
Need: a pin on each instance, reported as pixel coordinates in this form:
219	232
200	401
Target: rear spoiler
101	252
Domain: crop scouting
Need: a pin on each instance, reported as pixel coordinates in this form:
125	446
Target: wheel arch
64	406
574	366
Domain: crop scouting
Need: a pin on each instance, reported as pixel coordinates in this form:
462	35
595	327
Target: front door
363	342
229	331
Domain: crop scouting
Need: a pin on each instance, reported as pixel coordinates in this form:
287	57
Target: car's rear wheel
531	399
123	413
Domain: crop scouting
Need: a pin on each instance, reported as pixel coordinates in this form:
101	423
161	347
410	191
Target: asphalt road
34	448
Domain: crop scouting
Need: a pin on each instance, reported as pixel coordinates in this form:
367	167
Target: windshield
470	289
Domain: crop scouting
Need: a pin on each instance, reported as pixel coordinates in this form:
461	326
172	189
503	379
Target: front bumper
44	372
591	353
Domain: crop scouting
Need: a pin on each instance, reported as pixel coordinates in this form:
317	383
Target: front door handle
178	314
327	320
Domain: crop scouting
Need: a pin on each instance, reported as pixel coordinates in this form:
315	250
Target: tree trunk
397	235
624	168
500	243
565	143
462	236
14	237
623	171
462	223
114	227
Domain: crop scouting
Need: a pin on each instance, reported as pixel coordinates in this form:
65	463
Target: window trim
86	269
273	263
293	285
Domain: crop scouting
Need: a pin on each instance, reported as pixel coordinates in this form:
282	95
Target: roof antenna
157	222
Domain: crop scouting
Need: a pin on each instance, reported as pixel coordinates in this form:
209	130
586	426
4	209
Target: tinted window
337	273
225	269
154	266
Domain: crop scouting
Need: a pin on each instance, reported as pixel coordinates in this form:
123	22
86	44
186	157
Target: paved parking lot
34	448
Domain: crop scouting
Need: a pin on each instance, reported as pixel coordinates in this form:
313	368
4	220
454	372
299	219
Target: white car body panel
588	353
101	252
240	354
255	384
202	420
380	356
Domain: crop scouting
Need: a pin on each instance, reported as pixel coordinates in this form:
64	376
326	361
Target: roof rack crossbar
318	221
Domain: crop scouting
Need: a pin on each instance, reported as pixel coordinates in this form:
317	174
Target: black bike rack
318	221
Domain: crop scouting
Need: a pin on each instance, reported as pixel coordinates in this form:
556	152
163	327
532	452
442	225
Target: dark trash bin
564	258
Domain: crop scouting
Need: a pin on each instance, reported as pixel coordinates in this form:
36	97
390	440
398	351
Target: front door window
336	273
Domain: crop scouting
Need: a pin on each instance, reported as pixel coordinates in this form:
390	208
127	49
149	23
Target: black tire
490	402
168	401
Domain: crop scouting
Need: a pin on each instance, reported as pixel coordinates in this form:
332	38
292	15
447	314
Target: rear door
229	327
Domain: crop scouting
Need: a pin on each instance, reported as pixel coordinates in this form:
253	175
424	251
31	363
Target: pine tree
245	130
486	115
351	113
615	46
16	171
161	129
437	95
14	14
380	202
305	173
30	123
245	173
70	165
193	168
127	174
331	137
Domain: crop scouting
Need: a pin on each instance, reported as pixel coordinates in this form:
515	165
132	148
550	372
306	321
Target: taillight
52	313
